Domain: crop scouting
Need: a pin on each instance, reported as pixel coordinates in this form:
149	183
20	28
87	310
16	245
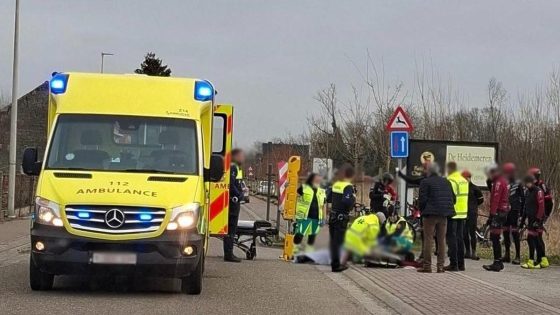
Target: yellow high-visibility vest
304	201
461	190
239	173
392	227
361	237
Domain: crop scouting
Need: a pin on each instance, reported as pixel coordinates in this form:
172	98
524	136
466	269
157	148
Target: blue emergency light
203	91
58	83
145	217
83	215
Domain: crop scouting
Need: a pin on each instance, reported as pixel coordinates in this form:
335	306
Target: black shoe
451	268
497	266
462	268
339	268
475	257
506	259
232	258
516	261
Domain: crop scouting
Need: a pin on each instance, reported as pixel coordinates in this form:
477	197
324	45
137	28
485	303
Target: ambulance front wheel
39	280
192	284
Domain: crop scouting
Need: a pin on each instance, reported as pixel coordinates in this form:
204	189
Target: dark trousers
534	240
469	235
434	225
455	242
511	230
233	218
310	239
337	230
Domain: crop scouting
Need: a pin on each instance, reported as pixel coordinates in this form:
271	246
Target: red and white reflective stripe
282	180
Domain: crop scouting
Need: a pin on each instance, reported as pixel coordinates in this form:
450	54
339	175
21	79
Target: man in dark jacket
235	197
437	203
380	194
475	200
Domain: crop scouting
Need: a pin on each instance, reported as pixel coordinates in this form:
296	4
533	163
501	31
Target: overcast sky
269	58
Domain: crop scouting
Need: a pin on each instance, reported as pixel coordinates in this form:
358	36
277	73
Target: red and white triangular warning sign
399	121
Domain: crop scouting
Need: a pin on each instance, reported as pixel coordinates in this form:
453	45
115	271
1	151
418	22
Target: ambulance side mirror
216	170
30	164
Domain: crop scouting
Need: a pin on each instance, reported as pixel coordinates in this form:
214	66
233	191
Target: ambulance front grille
114	219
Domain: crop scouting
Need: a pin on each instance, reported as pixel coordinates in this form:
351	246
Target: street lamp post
13	122
103	54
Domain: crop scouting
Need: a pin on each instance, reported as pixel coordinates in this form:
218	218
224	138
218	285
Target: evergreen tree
153	66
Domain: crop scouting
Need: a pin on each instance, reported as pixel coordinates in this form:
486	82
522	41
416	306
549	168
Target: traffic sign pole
399	125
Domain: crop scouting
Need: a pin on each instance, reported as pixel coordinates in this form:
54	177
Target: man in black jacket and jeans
437	203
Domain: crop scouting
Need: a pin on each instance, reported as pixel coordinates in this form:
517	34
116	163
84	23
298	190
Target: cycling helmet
509	168
388	177
536	172
490	168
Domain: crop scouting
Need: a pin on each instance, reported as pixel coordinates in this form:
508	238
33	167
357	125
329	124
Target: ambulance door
219	191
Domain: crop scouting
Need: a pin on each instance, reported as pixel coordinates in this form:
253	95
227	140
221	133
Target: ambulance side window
218	134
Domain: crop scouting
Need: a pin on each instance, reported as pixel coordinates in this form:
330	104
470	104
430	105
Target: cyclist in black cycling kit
475	200
516	202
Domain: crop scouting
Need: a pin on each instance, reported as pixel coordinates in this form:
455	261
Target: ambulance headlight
184	217
58	83
47	212
203	91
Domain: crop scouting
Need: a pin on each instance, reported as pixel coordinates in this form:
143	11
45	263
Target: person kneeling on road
534	212
309	211
397	236
361	237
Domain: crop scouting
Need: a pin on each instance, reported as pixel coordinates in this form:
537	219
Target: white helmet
492	167
381	217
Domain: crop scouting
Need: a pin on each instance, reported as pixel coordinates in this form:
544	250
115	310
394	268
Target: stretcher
249	231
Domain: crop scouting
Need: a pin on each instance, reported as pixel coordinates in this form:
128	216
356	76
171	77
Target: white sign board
323	167
474	159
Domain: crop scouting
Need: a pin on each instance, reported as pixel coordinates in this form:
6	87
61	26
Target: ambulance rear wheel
192	284
39	280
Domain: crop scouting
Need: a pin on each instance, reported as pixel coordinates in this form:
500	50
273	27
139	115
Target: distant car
263	189
245	192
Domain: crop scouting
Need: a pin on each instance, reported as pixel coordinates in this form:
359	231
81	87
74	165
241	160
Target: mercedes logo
114	218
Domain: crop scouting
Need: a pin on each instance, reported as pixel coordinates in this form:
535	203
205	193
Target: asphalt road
263	286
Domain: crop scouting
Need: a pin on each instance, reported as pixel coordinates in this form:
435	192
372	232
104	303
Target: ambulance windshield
124	143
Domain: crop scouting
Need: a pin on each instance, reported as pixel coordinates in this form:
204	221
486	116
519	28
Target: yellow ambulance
134	178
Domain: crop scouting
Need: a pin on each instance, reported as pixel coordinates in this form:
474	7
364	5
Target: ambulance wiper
75	169
135	170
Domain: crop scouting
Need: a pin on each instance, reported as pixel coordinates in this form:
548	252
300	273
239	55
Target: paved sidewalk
14	241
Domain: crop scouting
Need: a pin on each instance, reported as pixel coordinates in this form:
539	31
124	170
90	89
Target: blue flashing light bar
83	215
145	217
58	83
203	91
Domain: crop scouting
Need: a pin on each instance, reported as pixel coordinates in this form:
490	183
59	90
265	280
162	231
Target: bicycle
414	219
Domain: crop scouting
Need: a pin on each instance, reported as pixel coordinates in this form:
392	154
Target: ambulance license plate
106	258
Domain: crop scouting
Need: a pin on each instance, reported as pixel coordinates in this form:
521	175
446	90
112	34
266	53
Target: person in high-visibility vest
456	224
342	198
310	211
361	236
398	236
